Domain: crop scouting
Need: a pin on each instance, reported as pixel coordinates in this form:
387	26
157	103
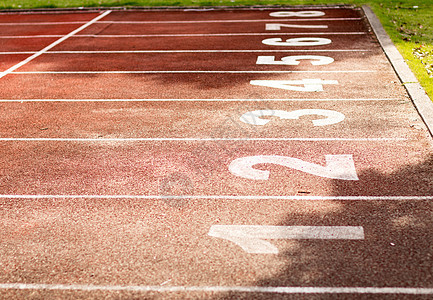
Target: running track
255	153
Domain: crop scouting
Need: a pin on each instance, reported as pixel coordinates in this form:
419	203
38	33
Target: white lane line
213	34
177	35
188	72
210	51
251	238
29	36
41	23
223	197
230	21
197	139
37	54
221	289
196	100
180	22
17	53
185	51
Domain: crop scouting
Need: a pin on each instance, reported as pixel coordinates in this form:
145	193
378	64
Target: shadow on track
397	250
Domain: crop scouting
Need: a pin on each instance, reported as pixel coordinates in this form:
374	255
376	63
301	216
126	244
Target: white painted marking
224	197
278	26
308	41
221	289
303	14
316	60
41	23
251	237
230	21
199	100
187	51
337	166
52	45
309	85
28	36
254	117
195	72
15	53
214	34
197	139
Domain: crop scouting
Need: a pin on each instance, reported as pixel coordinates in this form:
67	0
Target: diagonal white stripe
52	45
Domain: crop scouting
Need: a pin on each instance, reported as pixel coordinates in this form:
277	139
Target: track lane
185	86
206	119
137	168
341	62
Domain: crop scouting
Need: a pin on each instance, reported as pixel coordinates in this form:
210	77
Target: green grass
408	22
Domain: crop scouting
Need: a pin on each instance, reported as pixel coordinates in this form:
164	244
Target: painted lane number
278	26
337	166
294	60
302	14
306	41
251	237
255	117
309	85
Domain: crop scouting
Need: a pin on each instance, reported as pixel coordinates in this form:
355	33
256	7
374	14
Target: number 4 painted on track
309	85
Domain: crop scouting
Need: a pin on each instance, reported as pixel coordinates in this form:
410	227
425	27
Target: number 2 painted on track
337	166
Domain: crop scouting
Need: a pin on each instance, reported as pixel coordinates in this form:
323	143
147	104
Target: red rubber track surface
117	144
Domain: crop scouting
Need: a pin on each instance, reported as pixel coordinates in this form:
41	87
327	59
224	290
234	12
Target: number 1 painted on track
251	237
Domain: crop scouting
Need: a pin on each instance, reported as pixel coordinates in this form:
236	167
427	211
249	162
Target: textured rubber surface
123	146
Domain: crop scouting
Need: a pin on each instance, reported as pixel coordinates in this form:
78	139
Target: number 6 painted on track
337	166
307	41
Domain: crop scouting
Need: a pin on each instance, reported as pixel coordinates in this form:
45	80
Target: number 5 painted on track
337	166
315	60
254	117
